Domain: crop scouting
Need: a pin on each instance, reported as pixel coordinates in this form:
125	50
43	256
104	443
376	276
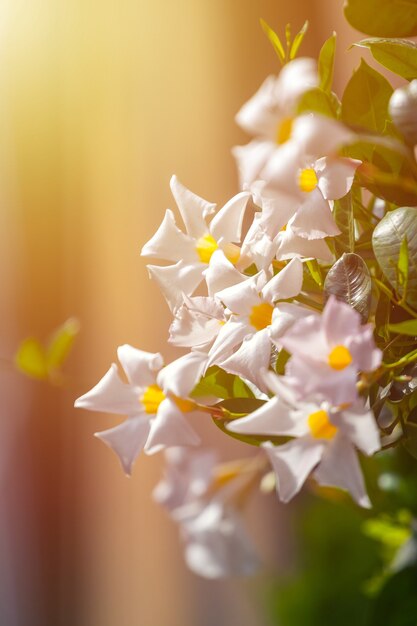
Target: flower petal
127	440
140	366
318	135
314	219
292	463
197	322
339	321
111	395
360	427
181	376
286	284
251	159
272	418
176	280
194	210
170	428
221	273
248	361
226	225
231	334
335	176
340	467
289	245
170	243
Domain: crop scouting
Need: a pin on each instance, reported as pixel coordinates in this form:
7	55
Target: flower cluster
295	352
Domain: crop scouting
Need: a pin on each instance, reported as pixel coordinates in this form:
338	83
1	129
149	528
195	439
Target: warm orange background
100	103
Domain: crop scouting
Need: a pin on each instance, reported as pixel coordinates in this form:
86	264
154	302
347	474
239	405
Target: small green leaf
326	63
317	101
315	271
220	384
282	359
387	241
383	18
61	343
397	55
409	328
366	98
344	218
298	40
275	41
402	268
31	359
241	406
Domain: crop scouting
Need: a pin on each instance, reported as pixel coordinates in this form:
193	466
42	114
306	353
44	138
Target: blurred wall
100	103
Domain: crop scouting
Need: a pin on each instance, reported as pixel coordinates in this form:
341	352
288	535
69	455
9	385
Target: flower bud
403	111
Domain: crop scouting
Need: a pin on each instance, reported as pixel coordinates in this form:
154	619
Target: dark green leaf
396	604
387	241
366	98
349	280
241	406
275	41
326	63
383	18
397	55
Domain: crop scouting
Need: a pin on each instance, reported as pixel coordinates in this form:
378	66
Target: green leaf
397	55
366	98
314	269
396	604
241	406
318	101
326	63
275	41
349	280
344	218
383	18
298	40
31	359
402	267
409	328
61	343
220	384
387	240
282	359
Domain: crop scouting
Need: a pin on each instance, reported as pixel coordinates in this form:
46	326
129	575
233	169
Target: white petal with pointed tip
226	225
170	428
127	440
194	210
181	376
170	243
140	366
286	284
111	395
175	280
273	418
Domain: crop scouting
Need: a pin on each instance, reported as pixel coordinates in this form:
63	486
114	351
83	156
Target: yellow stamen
232	252
307	180
320	425
152	398
206	245
261	315
284	130
339	358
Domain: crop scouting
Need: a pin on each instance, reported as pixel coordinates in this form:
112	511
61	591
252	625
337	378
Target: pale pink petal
242	297
314	219
284	316
221	273
111	395
181	376
296	77
292	463
248	361
319	135
272	418
363	350
127	440
282	169
360	427
340	467
197	322
339	321
140	366
226	225
169	243
335	176
308	376
170	428
176	280
194	210
306	338
286	284
258	247
230	335
259	115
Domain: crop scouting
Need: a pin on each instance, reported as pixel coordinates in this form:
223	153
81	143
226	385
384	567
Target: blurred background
101	102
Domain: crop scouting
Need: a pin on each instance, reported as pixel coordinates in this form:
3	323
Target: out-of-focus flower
324	438
328	351
191	251
152	399
269	115
216	543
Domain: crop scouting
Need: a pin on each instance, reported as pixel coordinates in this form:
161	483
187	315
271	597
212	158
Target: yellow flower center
321	426
152	398
206	245
261	315
307	180
284	130
232	252
339	358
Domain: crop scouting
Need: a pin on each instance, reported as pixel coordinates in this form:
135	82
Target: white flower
152	400
323	441
216	543
191	251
